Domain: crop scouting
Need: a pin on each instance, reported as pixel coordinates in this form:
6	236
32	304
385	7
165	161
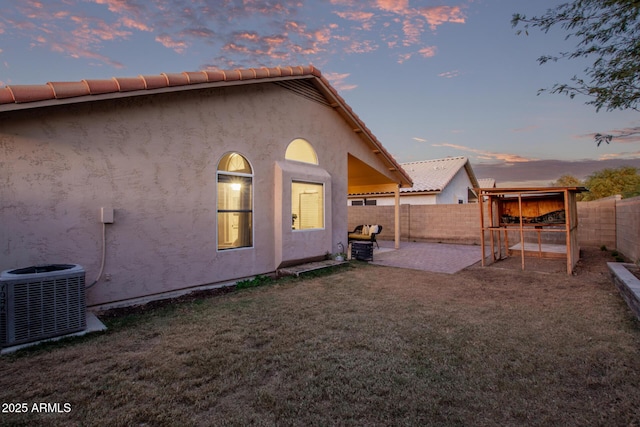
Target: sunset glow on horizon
430	79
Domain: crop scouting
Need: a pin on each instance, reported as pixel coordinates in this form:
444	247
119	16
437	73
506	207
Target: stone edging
627	284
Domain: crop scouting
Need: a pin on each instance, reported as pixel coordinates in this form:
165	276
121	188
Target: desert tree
608	38
567	181
624	180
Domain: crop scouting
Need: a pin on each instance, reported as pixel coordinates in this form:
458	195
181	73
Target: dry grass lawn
366	345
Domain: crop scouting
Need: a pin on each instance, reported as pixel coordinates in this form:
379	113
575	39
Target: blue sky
431	79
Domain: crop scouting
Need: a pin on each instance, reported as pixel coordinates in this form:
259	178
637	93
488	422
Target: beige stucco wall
294	245
153	159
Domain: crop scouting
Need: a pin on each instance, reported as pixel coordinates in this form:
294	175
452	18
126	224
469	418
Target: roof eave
339	104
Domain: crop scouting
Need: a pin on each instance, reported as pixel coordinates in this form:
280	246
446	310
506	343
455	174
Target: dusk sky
430	79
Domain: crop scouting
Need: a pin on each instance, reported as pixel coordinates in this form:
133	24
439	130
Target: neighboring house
185	180
441	181
486	183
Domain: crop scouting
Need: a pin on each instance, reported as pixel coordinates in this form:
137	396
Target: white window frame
324	204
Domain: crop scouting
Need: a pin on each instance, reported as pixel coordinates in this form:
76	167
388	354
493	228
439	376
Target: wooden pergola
536	216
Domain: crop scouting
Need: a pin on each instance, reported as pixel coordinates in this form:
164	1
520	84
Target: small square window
307	205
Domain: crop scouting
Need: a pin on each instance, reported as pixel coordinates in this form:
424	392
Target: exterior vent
41	302
305	89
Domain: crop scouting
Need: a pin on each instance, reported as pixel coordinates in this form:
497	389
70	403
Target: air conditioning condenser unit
41	302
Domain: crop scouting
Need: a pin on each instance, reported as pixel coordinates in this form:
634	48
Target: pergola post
397	216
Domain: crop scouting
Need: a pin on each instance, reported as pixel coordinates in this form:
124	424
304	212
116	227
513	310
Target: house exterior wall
456	189
153	159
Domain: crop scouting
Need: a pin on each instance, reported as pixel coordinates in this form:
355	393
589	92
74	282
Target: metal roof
435	175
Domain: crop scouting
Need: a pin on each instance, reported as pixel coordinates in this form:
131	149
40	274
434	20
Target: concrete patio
434	257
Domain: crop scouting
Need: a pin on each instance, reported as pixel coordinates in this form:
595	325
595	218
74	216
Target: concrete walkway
435	257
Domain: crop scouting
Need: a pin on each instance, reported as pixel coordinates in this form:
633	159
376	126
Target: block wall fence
628	227
611	222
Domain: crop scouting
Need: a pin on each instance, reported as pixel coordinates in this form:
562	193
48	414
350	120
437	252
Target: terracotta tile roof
17	97
19	94
435	175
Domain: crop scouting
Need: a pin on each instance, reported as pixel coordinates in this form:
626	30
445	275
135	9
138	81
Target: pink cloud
395	6
428	51
280	30
92	30
396	23
488	155
351	3
354	15
277	40
197	33
403	57
73	34
322	36
625	155
449	74
338	81
412	30
134	24
364	46
251	36
121	6
438	15
169	42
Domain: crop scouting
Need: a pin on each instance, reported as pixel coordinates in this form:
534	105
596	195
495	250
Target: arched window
235	202
300	150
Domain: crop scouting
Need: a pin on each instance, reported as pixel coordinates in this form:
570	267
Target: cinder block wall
426	223
597	222
444	223
628	227
461	223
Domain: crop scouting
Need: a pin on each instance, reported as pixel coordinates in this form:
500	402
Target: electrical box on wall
106	215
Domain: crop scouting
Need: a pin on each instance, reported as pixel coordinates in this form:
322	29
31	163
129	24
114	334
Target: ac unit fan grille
31	310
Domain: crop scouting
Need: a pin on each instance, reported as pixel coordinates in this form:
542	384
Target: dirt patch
153	305
592	261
